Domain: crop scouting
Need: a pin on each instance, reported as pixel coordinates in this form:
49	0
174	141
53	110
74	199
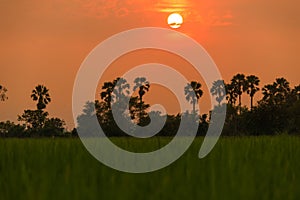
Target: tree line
277	112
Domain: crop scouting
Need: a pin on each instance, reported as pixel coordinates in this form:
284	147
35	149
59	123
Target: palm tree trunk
141	100
194	108
240	103
251	103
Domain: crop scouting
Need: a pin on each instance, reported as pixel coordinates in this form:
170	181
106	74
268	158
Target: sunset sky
45	42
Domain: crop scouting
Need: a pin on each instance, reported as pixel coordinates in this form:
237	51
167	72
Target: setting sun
175	20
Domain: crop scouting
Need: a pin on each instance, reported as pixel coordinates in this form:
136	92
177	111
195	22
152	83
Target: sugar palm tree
42	96
278	92
3	91
143	85
296	92
192	93
218	90
252	83
121	89
107	90
231	96
238	83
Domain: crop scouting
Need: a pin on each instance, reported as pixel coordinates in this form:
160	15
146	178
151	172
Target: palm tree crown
143	85
41	94
3	91
252	83
238	83
218	90
193	92
277	92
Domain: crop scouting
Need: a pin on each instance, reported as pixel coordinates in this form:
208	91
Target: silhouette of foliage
42	96
252	83
3	92
277	112
218	89
193	93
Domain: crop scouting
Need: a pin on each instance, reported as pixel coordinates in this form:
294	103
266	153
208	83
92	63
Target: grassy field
237	168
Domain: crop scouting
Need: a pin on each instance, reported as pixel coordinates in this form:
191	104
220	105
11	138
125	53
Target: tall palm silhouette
218	90
192	93
252	83
238	83
143	85
3	91
42	96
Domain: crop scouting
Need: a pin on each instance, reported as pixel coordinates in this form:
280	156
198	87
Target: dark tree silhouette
3	91
115	90
231	96
218	90
121	89
252	83
41	94
34	119
106	95
238	83
276	93
192	93
296	92
143	85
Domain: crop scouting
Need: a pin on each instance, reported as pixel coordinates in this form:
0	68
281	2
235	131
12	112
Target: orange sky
44	42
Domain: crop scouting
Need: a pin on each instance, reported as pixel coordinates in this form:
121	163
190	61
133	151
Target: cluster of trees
34	123
277	112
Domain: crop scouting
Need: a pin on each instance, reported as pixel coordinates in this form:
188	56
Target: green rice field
237	168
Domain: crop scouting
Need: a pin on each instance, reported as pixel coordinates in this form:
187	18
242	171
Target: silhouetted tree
115	90
10	129
251	86
231	96
34	120
296	93
276	93
3	91
238	83
106	95
143	85
41	94
53	127
121	89
120	96
218	90
192	93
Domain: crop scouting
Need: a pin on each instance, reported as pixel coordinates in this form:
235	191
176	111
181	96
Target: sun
175	20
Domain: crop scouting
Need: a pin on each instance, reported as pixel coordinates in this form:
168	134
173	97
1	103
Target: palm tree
218	90
276	93
41	94
143	85
3	91
296	92
106	95
252	82
239	86
193	92
121	88
231	96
